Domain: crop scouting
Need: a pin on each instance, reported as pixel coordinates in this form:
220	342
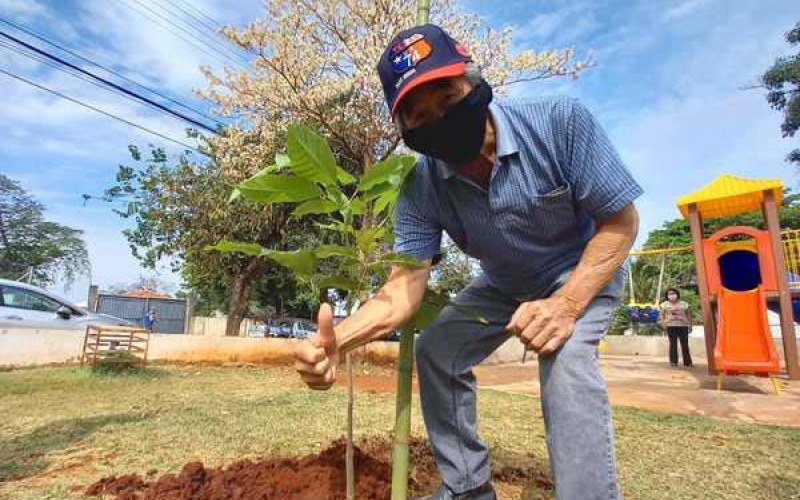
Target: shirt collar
506	143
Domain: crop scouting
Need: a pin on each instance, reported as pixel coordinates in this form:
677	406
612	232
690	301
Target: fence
215	326
171	313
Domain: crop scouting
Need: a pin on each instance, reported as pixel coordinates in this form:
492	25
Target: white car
27	306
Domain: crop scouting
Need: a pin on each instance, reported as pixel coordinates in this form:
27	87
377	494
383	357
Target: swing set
648	312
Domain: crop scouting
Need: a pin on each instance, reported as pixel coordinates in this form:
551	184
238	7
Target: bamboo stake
405	367
423	11
402	424
349	458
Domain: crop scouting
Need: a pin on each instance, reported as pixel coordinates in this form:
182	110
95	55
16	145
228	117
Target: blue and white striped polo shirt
556	173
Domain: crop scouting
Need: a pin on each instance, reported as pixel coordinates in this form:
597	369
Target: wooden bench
104	343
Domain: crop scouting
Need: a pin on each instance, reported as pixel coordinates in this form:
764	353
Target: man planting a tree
535	191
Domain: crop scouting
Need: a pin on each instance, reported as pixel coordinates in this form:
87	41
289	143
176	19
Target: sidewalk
650	383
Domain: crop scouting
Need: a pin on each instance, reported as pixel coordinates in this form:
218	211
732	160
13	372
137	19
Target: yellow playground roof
730	195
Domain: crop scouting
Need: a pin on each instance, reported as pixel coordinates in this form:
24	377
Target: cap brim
451	70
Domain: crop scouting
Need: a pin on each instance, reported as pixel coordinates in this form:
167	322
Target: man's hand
317	358
543	325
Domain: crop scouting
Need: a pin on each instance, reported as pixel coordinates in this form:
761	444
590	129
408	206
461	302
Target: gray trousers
577	414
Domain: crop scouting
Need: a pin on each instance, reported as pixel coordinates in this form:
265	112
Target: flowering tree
315	63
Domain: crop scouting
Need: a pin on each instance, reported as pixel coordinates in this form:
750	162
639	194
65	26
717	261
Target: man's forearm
601	260
388	310
374	320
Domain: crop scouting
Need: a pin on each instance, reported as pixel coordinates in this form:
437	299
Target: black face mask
457	136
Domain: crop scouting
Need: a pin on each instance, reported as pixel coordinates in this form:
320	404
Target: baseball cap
416	56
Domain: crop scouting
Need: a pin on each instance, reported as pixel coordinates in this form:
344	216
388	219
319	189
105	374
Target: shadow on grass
26	455
123	372
780	486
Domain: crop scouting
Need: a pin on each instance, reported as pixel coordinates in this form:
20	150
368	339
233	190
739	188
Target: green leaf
338	197
338	227
386	200
315	207
269	169
324	251
338	282
237	247
345	178
273	188
392	170
311	157
366	240
398	259
282	161
301	262
432	304
376	192
235	195
425	315
357	206
429	309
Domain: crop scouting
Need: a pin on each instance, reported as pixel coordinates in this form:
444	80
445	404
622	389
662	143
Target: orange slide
744	340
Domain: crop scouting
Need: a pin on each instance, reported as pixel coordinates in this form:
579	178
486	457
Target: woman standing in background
676	318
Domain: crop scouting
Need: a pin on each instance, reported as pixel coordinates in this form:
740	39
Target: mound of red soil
313	477
119	486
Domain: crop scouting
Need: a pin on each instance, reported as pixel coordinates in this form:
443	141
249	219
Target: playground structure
741	271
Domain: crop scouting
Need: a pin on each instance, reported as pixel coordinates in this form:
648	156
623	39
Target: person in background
676	318
149	321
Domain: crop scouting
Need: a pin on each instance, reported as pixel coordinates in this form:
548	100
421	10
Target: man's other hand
543	325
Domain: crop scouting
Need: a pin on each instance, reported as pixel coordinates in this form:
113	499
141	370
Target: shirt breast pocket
545	216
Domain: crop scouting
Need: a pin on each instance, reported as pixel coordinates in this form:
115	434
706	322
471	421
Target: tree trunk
240	294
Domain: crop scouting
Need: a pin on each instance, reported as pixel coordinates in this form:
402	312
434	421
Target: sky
667	84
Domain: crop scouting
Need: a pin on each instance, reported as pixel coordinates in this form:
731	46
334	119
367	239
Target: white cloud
169	56
560	27
704	124
22	9
59	150
683	9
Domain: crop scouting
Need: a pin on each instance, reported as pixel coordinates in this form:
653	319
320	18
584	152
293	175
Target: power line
202	27
107	82
201	13
42	60
171	30
219	44
98	110
108	70
68	71
211	27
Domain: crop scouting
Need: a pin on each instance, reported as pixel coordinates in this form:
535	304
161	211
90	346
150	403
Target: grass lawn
64	427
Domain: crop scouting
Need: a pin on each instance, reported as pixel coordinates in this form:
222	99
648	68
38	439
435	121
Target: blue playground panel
740	272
